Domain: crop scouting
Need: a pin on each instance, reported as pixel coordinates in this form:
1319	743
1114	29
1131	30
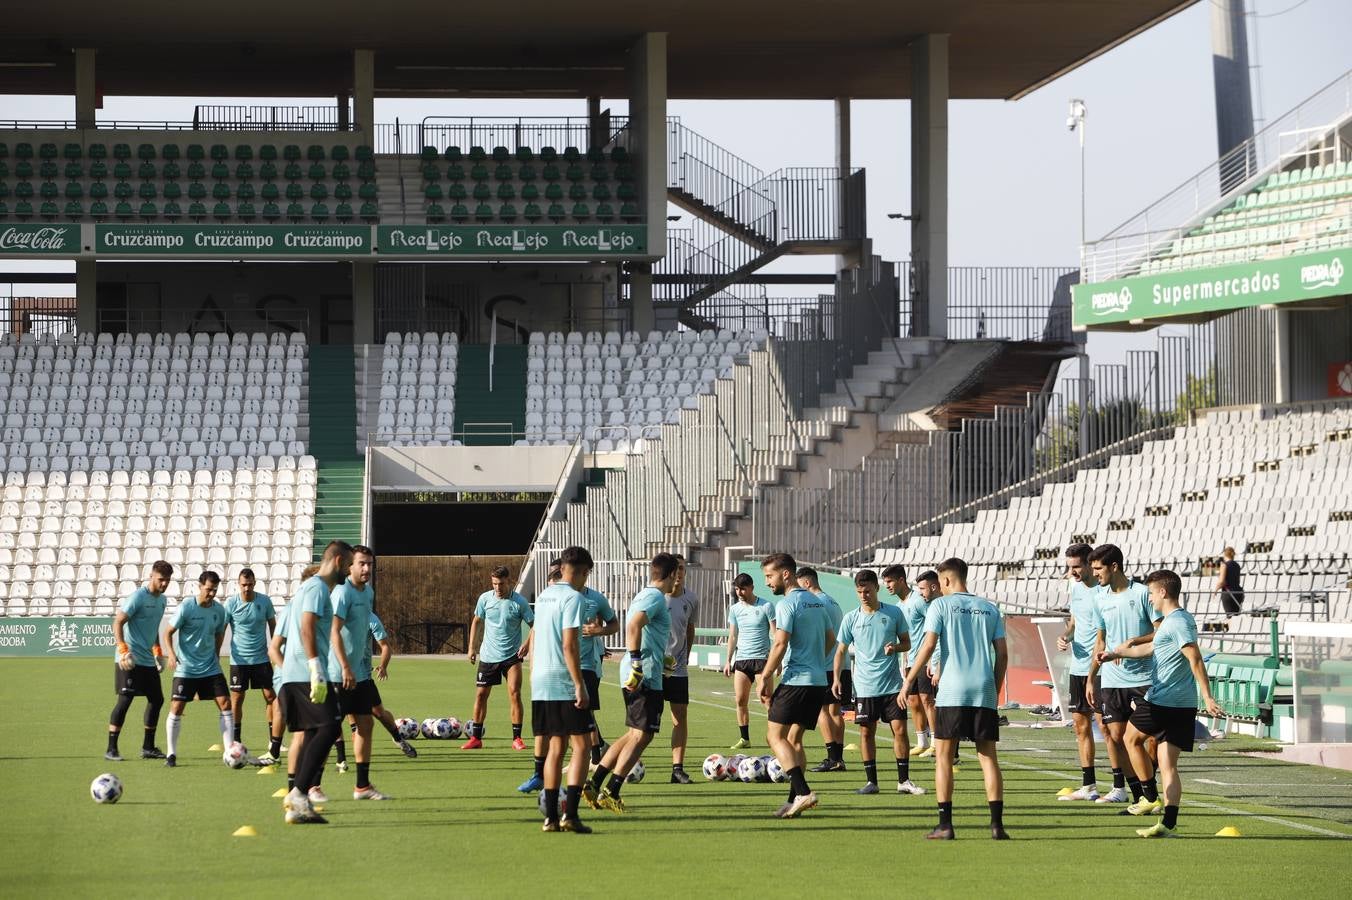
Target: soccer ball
441	728
407	728
636	773
776	771
107	788
765	768
429	728
540	803
236	756
456	728
732	766
716	767
750	769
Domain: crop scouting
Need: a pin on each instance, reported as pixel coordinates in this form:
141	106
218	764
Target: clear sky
1013	167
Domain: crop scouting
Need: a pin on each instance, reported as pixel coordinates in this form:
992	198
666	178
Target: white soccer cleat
294	800
909	787
800	804
317	795
368	793
341	766
267	759
1085	792
1116	795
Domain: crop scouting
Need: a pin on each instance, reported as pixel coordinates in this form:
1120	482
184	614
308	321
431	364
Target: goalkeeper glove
155	652
123	657
319	685
635	672
668	665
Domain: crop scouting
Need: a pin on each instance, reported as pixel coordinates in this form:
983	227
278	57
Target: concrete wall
467	468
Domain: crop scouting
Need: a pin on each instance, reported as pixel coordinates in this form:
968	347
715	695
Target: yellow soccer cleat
611	802
1144	807
1157	831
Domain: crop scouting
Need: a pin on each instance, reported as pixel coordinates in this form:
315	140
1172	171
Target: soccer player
1078	639
311	705
969	633
381	670
879	637
832	720
350	662
136	630
536	781
647	629
251	619
804	635
497	620
559	704
200	627
683	606
1123	612
750	619
1168	712
915	605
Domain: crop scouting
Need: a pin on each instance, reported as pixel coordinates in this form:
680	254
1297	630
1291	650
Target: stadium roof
745	49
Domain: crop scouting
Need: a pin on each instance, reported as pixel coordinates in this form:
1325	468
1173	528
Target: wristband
123	648
155	651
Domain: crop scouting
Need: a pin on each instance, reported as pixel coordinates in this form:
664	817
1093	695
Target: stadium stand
615	389
118	452
417	389
164	180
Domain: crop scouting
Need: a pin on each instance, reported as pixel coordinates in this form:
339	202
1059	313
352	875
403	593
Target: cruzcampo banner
1289	279
500	241
232	240
57	636
31	240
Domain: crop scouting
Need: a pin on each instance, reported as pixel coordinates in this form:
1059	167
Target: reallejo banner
1289	279
500	241
39	240
57	636
232	240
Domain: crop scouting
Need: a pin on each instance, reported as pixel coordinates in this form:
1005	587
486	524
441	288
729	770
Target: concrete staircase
367	360
387	190
341	471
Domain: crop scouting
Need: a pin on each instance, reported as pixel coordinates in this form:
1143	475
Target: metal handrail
399	172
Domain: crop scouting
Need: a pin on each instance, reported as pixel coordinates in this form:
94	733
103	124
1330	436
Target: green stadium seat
629	212
74	209
596	155
556	212
576	173
220	171
433	192
122	171
145	171
453	154
317	172
366	170
624	172
292	172
48	168
197	171
24	190
98	191
477	154
23	169
147	191
47	151
459	212
244	152
220	191
626	193
553	191
506	192
221	211
172	191
436	213
98	209
295	192
530	192
364	154
339	153
72	151
269	191
74	170
48	210
295	211
600	192
171	211
524	154
23	150
341	171
23	209
428	154
220	152
291	153
548	154
268	152
148	210
145	151
343	212
500	155
457	192
197	211
367	191
169	151
267	171
244	192
551	173
571	155
532	212
122	190
526	172
600	173
171	171
430	172
197	191
244	171
74	191
246	211
319	212
507	212
48	191
319	192
4	189
483	212
315	153
271	212
504	173
342	191
455	173
478	172
577	192
482	191
618	154
370	212
123	210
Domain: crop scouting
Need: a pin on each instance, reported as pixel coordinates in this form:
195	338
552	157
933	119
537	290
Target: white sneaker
1086	792
368	793
1116	795
294	800
909	787
317	795
800	804
342	767
267	759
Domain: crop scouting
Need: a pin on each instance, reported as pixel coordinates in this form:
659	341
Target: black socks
1087	776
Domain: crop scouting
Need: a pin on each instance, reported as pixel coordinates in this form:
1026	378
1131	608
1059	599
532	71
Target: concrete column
929	180
86	93
364	91
843	164
641	296
597	132
363	303
344	118
1234	99
1281	356
86	296
648	130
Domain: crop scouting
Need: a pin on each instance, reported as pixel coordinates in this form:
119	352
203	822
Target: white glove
319	684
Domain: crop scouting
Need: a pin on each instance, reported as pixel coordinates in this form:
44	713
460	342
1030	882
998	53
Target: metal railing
704	169
38	316
535	132
212	117
1008	303
1122	250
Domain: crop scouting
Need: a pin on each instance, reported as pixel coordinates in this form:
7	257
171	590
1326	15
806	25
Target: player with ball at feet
200	628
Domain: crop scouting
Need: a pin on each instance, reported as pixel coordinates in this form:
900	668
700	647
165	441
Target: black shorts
643	709
1119	702
1078	701
253	676
141	681
922	685
868	710
1171	724
676	689
592	681
749	667
359	701
558	718
966	723
208	687
492	673
797	704
301	713
846	688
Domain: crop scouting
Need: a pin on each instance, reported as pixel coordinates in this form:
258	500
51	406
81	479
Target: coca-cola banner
39	239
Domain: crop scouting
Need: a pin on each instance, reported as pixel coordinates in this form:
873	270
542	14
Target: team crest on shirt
63	637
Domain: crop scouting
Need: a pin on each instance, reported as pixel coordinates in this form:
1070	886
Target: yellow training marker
1229	831
244	831
215	748
280	792
851	747
1065	792
267	770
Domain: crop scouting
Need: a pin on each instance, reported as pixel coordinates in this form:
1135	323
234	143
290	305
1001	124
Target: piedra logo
1322	275
1108	303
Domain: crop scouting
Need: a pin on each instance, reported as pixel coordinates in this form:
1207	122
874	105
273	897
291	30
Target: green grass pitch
457	823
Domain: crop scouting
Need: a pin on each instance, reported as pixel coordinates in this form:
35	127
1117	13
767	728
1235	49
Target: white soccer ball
107	788
429	728
457	729
636	773
236	756
765	768
540	803
407	728
732	765
750	769
716	767
442	729
776	771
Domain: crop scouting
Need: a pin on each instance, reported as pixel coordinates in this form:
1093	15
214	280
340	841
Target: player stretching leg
804	635
136	630
879	637
1169	711
750	621
200	627
683	606
499	613
969	632
647	629
251	619
559	704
